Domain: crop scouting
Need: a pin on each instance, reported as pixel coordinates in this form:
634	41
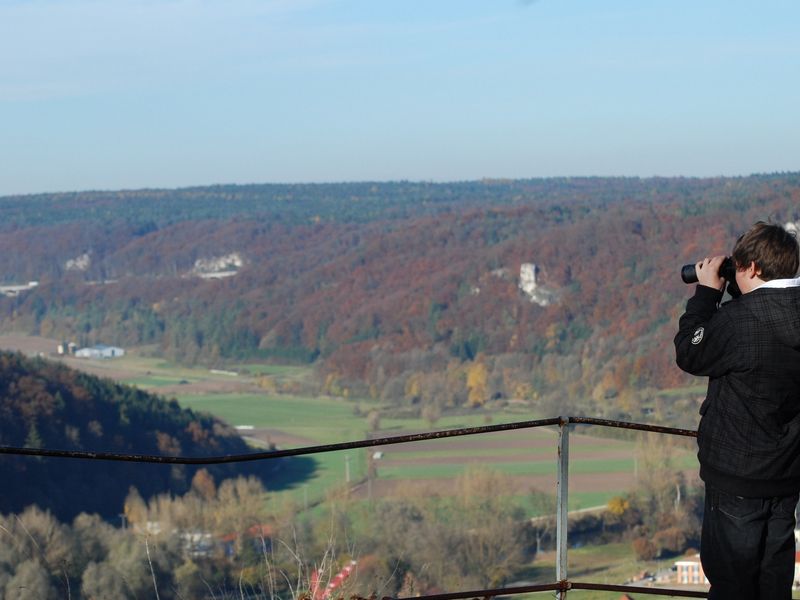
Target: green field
539	467
154	381
323	420
289	371
319	420
152	372
544	453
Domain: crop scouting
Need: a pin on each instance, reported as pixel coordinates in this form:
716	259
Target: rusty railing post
562	504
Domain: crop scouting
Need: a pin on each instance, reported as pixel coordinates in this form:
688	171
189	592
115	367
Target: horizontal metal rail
561	587
399	439
633	589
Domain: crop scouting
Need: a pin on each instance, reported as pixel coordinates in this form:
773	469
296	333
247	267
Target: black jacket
749	434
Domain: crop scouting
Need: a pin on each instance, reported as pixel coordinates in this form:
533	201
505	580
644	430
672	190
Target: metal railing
561	586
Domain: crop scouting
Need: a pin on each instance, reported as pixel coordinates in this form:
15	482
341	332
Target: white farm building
100	351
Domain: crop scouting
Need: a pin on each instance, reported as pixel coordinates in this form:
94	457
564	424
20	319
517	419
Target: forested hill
143	211
405	291
46	405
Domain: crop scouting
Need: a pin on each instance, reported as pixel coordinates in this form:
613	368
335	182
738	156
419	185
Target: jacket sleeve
705	344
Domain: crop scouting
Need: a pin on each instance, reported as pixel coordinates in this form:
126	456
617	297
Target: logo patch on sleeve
697	336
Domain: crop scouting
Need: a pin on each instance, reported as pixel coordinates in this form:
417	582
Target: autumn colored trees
46	405
399	291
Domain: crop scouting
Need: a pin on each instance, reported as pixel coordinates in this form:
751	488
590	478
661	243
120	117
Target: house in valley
690	570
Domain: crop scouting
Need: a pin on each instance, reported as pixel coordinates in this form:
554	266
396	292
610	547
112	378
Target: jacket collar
780	283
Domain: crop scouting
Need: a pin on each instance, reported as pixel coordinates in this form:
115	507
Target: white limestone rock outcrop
534	291
218	267
79	263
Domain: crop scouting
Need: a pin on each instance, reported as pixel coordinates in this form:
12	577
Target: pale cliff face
79	263
528	285
228	262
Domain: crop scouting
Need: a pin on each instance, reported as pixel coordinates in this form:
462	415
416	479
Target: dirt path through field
281	439
29	344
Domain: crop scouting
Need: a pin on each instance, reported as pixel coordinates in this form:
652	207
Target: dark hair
773	249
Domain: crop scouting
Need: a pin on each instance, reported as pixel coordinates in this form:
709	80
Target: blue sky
110	94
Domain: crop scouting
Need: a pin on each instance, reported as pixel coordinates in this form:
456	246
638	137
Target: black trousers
747	546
